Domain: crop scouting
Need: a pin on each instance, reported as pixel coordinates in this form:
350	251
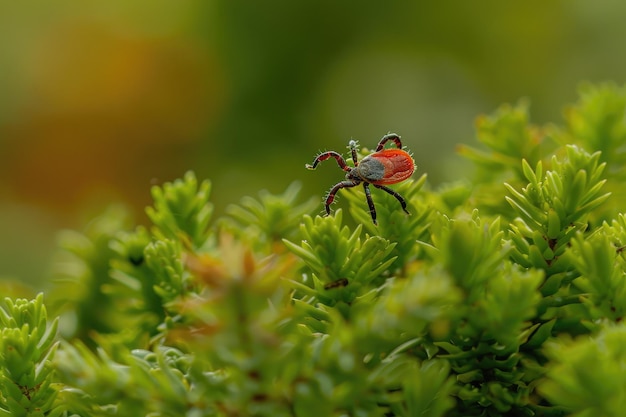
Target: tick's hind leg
331	194
326	155
396	195
391	136
370	202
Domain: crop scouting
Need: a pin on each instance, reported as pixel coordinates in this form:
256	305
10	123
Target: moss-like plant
27	347
500	295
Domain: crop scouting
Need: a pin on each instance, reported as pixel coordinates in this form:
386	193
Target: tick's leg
392	136
370	202
326	155
331	194
353	145
396	195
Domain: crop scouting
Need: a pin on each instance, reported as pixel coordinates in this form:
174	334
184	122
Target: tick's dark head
353	175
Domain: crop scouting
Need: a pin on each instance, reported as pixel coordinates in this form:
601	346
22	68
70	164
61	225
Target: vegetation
503	294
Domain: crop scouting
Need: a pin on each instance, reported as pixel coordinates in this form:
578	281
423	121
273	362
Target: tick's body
388	166
383	167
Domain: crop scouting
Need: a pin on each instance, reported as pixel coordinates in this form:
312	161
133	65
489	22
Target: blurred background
100	100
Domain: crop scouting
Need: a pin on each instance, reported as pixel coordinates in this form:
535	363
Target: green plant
27	346
501	295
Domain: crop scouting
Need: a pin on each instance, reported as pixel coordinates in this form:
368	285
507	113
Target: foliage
503	295
26	347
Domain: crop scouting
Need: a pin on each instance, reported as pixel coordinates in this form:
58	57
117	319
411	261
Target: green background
100	100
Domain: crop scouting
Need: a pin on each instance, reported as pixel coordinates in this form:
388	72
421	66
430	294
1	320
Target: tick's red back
398	164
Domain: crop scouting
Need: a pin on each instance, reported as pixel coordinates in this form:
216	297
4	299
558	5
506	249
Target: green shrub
501	295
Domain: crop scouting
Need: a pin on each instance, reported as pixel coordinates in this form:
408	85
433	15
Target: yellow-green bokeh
99	100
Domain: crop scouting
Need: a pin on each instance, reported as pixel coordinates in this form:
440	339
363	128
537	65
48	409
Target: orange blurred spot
106	110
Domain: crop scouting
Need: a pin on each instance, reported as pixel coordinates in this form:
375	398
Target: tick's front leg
331	194
326	155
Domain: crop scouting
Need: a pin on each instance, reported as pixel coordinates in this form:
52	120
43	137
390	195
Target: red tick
383	167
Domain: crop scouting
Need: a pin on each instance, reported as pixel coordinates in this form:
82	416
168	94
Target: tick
381	168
